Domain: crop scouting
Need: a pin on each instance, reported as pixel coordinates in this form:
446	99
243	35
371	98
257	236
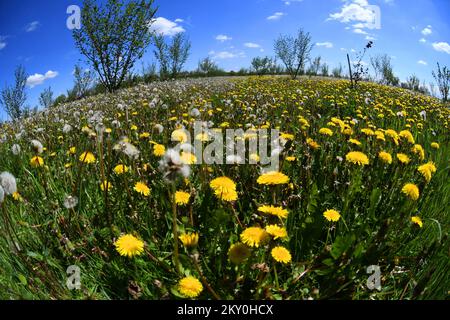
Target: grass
41	238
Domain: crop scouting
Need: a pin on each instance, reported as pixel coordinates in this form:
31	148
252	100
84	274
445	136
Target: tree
337	72
384	70
161	55
46	98
178	53
84	80
171	56
315	66
324	69
294	52
442	77
263	65
114	36
13	98
60	99
207	66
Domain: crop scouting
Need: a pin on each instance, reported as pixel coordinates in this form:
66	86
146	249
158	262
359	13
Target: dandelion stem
276	276
205	282
175	230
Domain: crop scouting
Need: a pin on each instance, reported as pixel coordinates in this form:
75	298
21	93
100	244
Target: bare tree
263	65
84	79
13	98
294	52
337	72
384	70
113	36
172	55
207	66
161	53
178	53
46	98
442	77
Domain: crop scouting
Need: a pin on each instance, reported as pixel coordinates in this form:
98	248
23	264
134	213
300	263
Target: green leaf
22	279
35	255
341	245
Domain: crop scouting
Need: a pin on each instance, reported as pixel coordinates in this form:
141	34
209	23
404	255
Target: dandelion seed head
8	182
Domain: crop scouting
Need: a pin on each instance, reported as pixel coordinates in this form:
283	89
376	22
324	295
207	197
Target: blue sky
415	33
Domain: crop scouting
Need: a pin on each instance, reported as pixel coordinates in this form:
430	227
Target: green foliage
113	37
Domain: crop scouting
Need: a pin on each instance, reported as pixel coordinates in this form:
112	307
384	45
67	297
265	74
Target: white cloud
423	40
166	27
422	62
223	38
289	2
2	45
179	20
359	31
252	45
442	47
226	55
427	31
326	44
32	26
276	16
359	11
370	38
37	78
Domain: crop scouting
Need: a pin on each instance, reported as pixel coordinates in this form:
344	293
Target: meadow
98	184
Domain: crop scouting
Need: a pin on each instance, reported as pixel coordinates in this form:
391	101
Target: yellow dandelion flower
254	157
355	142
190	287
385	157
276	211
238	253
417	221
224	188
403	158
332	215
291	159
72	150
121	168
203	137
368	132
105	185
182	197
128	246
254	236
273	178
87	157
406	134
179	135
287	136
144	135
16	196
326	132
358	158
189	240
427	170
276	231
159	150
188	158
417	149
281	254
312	144
411	190
435	145
142	188
37	162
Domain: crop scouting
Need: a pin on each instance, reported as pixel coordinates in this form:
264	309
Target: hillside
363	180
